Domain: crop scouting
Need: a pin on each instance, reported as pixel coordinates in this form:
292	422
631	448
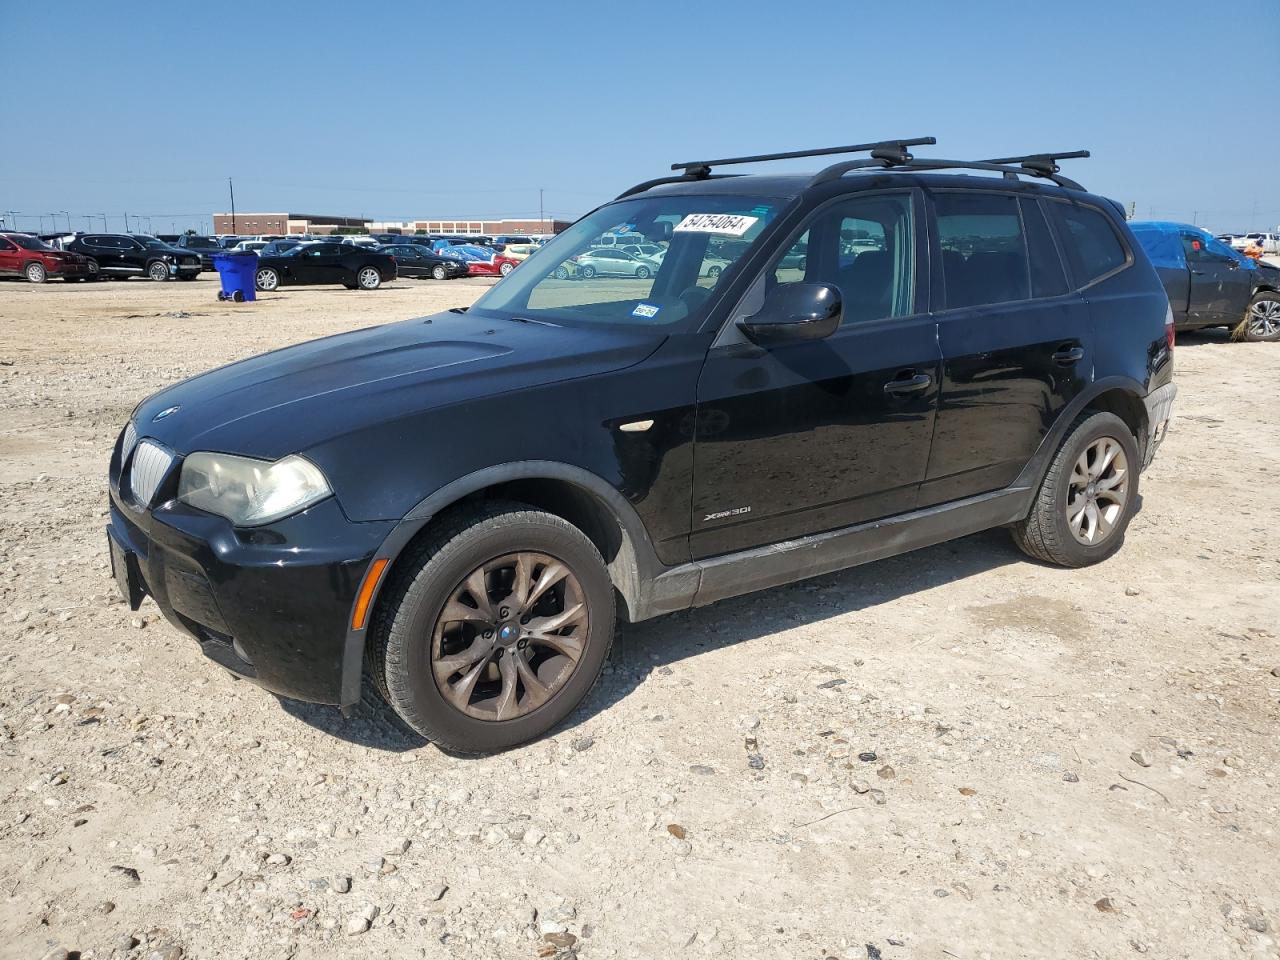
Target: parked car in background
120	256
250	246
417	260
169	238
506	238
316	263
275	248
1209	284
494	265
519	251
606	262
203	247
650	251
1268	243
24	255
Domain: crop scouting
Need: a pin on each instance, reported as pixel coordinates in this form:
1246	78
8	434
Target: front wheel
438	272
369	278
495	628
1262	323
158	271
1087	496
642	273
36	273
266	279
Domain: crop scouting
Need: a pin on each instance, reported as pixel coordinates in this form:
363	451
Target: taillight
1168	328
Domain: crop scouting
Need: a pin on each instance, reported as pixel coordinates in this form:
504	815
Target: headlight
250	492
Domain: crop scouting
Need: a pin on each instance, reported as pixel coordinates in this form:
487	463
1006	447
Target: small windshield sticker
645	310
733	224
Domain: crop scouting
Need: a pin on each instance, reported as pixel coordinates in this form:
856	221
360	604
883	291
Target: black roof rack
889	150
885	155
1042	165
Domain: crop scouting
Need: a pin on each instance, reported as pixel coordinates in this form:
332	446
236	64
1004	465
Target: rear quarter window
1092	245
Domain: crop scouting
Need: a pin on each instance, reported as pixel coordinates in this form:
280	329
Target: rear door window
1048	279
1092	245
984	250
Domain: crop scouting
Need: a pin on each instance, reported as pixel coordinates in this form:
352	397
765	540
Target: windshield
203	243
27	242
584	275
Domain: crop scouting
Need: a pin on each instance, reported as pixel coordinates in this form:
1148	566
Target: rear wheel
369	278
1262	323
506	268
94	274
587	272
494	629
158	270
266	279
36	273
561	273
1087	496
713	272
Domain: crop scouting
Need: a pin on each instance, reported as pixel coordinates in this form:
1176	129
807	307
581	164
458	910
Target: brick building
284	223
468	226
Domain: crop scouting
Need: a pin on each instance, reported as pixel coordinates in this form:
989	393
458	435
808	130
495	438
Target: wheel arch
1121	396
578	496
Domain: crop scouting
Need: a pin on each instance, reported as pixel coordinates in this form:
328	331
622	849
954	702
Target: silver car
605	262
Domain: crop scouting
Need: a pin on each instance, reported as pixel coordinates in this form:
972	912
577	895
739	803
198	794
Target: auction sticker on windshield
732	224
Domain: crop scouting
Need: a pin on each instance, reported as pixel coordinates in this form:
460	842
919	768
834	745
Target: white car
604	262
1269	242
250	246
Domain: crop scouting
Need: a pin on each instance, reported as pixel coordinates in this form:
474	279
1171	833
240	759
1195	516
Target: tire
408	635
368	278
1046	533
713	272
267	279
1261	323
642	273
158	271
506	268
587	272
35	272
438	272
561	273
94	273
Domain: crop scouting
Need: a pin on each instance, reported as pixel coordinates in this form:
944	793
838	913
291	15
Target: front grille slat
151	463
130	439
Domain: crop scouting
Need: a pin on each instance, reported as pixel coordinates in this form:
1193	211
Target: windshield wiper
544	323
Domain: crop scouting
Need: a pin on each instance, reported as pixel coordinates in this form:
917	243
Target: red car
22	255
495	266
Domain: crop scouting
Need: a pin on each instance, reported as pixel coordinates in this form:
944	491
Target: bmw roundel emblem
166	412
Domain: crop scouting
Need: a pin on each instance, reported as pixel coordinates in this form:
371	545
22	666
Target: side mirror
795	311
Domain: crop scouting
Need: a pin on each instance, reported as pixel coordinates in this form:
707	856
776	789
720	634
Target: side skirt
718	578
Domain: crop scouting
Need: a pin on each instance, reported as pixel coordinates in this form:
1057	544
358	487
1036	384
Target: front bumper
1159	403
271	604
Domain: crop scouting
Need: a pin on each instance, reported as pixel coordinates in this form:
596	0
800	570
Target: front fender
635	564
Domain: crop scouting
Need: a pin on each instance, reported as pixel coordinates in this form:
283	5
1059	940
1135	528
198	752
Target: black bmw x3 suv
457	508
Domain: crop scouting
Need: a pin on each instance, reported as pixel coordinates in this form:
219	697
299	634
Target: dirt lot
1067	763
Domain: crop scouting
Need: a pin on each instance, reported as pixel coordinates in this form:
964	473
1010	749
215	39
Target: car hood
292	399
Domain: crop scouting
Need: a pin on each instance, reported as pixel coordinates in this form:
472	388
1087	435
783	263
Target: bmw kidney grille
151	463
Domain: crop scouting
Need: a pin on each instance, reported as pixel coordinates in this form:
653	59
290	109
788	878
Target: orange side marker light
360	615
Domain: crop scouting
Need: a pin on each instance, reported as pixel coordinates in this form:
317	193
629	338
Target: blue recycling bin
236	272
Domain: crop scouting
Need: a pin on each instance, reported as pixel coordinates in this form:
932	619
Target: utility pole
88	221
541	217
126	222
232	187
104	222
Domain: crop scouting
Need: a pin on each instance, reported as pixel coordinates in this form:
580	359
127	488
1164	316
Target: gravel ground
955	753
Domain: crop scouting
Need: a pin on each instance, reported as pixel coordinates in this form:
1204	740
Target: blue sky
397	110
